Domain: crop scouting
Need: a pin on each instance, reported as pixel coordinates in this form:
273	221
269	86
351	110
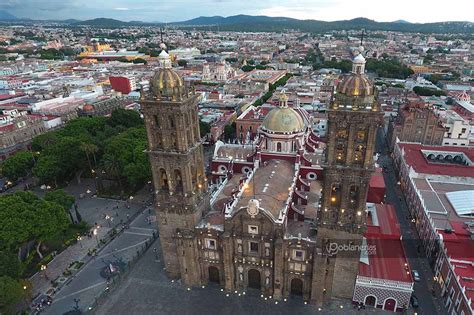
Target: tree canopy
26	217
18	165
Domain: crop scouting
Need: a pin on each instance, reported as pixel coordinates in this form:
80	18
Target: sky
179	10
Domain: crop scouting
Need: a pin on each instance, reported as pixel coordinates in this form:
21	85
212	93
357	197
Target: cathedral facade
274	214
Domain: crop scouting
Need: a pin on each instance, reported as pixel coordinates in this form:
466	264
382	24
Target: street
88	282
422	289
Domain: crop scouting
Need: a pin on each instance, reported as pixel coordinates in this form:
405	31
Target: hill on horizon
5	16
249	23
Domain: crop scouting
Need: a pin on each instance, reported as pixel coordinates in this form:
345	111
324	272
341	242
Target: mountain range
251	23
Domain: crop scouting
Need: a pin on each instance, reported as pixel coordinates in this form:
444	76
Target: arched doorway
254	279
214	275
389	305
370	300
297	286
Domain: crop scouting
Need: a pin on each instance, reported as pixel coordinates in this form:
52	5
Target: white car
416	275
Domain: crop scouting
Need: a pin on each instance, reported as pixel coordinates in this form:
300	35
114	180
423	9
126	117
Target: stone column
278	268
228	259
350	144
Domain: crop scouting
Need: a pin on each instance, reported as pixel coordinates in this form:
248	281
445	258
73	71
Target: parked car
414	301
416	275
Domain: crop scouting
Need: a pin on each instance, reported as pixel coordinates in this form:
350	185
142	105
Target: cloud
121	9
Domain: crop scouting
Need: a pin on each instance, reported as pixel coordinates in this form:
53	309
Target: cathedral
273	213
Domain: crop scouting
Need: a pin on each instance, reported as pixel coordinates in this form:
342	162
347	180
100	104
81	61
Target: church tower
353	119
352	125
176	156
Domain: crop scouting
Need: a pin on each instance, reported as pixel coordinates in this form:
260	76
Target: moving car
416	275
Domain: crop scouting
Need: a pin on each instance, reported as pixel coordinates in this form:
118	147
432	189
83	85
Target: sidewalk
41	281
93	210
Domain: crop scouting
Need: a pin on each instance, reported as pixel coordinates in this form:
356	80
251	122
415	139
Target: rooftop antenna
362	36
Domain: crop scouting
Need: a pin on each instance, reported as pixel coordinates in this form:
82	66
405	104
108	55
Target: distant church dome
283	118
166	83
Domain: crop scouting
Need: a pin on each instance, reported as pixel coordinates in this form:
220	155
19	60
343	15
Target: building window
157	121
253	229
253	247
298	255
210	243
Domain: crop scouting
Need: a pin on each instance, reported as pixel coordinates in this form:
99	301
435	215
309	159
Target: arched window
354	196
163	180
193	176
336	194
278	146
171	120
340	153
359	154
178	180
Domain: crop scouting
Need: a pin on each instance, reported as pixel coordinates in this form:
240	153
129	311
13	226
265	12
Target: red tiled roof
388	260
415	158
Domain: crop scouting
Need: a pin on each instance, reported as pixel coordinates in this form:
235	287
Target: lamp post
109	219
43	269
79	239
95	231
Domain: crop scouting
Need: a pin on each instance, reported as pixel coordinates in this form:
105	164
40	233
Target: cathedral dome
355	85
166	82
283	119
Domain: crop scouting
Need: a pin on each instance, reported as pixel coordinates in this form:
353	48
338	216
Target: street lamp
43	269
79	238
95	231
108	218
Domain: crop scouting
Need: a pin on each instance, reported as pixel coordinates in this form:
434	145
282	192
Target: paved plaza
147	290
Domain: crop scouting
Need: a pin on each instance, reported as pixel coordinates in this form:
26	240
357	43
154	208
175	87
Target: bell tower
176	156
353	119
352	125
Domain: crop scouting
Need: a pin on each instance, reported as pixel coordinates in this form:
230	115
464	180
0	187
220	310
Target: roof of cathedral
270	186
355	85
283	119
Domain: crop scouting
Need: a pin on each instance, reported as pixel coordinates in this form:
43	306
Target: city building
418	123
123	84
438	184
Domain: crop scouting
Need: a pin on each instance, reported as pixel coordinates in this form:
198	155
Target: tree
9	265
204	128
11	293
247	68
229	131
422	91
27	217
48	170
18	165
182	63
125	118
435	78
90	149
139	60
60	197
